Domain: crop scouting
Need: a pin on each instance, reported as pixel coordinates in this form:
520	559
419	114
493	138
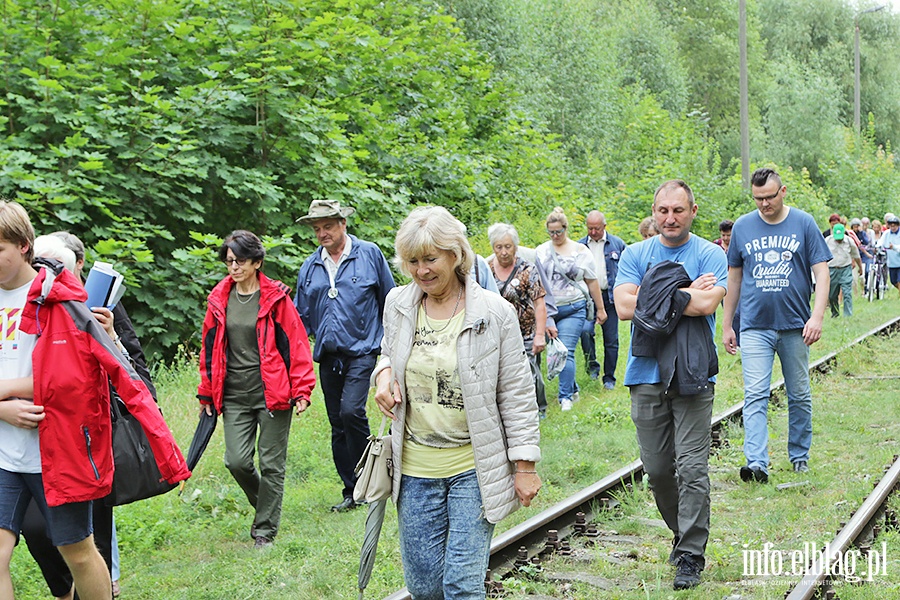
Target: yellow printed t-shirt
436	443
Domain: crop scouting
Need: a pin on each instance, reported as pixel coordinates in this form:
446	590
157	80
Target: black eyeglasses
767	198
238	261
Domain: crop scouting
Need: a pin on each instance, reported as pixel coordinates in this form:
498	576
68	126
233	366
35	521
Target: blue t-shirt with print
697	256
776	268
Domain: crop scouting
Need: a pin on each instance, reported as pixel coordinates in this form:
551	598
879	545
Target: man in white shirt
606	249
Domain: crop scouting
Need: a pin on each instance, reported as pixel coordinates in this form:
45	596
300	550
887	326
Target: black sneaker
688	573
261	542
754	474
801	467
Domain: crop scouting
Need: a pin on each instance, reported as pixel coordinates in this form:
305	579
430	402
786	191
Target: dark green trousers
243	419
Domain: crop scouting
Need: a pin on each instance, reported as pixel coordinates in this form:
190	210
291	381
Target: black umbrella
374	520
204	431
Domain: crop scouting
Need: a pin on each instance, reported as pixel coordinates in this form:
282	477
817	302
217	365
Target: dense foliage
151	128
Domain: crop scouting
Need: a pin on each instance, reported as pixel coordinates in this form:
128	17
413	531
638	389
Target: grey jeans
673	434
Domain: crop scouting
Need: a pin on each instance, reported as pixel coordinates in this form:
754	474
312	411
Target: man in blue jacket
340	297
606	249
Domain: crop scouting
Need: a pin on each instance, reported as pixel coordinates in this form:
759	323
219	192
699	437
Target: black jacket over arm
683	346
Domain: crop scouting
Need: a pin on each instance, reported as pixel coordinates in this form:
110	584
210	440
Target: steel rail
561	516
859	524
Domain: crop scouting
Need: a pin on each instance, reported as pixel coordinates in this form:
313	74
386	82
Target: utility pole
856	65
745	102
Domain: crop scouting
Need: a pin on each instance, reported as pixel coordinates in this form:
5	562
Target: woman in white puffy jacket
455	379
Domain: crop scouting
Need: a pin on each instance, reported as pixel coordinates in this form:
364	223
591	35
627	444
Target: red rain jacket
285	359
73	362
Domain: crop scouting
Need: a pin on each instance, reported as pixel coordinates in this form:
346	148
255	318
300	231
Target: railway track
830	563
550	530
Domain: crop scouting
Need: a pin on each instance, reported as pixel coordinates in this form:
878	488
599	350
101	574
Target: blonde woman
570	269
455	379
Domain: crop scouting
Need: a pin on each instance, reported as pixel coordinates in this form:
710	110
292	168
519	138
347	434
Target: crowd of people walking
454	357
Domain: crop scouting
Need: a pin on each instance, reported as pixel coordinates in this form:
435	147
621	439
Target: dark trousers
610	331
673	435
250	428
345	385
54	569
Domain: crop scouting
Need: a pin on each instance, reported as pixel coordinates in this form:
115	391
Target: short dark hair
726	225
244	244
762	176
675	184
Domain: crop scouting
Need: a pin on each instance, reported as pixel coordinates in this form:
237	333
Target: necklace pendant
333	293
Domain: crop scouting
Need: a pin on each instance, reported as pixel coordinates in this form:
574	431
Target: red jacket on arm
285	360
73	362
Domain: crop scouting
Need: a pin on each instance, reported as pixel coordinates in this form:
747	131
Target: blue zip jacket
350	323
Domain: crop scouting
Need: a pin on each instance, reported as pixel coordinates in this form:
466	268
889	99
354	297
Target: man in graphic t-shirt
774	252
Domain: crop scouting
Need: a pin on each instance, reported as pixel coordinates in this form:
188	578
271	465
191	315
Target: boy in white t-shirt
69	525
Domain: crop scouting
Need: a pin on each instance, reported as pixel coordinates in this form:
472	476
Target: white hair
49	246
498	231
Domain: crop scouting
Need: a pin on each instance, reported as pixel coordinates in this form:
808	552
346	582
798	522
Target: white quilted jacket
497	388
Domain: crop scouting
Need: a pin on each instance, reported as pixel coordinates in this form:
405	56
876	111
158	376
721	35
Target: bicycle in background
876	282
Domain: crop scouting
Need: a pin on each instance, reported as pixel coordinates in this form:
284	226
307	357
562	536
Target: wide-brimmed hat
326	209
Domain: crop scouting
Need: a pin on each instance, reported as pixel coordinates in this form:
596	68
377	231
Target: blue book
104	286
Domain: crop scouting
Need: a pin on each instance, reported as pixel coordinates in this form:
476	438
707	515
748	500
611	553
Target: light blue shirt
697	256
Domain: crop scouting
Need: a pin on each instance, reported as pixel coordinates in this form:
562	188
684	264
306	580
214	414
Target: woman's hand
539	343
301	405
386	397
528	483
106	319
552	332
208	408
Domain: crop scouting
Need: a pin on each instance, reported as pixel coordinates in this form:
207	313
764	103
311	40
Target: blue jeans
758	348
569	323
445	541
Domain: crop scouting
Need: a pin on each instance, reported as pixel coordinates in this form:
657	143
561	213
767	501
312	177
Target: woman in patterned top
518	281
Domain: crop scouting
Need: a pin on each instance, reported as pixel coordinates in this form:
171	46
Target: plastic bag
556	357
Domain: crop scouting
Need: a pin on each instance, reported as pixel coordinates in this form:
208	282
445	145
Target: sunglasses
556	232
238	261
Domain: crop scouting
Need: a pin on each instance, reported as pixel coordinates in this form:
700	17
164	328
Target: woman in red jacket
255	365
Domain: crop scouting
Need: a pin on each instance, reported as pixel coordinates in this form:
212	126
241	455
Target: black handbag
136	475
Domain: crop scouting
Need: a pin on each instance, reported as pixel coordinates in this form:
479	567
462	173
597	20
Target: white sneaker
576	397
565	404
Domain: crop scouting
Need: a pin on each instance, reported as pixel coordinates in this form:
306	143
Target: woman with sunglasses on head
255	366
570	268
